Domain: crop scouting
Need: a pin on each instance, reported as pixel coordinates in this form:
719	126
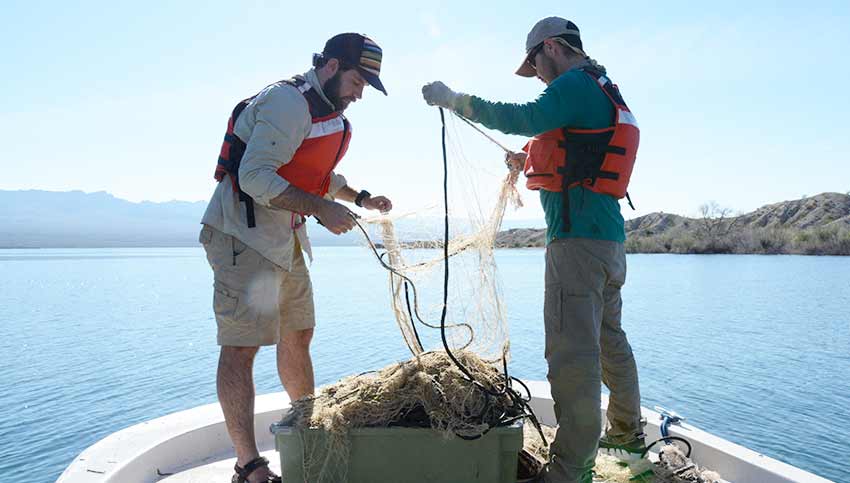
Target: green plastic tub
408	455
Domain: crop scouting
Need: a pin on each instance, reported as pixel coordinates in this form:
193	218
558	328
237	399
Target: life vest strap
249	208
565	199
234	148
600	160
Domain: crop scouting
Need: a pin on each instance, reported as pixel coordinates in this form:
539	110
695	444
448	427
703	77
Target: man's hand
335	217
439	94
515	161
381	203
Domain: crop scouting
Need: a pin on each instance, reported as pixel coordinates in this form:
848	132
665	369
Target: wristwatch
360	197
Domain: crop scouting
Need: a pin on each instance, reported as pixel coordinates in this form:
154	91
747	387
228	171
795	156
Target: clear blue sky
740	102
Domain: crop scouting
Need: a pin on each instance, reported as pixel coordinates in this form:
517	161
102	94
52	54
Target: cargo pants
585	346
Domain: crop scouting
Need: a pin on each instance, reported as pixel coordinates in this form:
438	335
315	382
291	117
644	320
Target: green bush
832	240
770	241
801	241
684	244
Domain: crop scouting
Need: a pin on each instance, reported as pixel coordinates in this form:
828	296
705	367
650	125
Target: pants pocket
205	237
581	320
224	304
237	246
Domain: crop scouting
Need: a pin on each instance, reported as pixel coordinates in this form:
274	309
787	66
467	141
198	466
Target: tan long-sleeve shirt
273	126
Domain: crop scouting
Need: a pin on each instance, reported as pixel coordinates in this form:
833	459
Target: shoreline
498	248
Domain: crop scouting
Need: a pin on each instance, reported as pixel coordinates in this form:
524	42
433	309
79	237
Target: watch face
360	197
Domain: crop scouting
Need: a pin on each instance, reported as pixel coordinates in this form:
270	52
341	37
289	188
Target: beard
331	89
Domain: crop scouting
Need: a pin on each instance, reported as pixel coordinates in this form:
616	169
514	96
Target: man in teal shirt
585	261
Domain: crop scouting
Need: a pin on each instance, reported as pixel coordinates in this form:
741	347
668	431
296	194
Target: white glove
439	94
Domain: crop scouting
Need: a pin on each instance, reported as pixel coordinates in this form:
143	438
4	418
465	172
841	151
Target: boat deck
193	446
216	470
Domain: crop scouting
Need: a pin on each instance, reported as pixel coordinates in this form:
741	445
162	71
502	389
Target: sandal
242	474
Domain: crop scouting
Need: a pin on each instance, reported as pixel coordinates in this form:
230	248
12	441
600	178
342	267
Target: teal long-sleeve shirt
572	100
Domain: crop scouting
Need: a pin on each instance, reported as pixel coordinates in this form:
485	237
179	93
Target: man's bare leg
235	384
294	364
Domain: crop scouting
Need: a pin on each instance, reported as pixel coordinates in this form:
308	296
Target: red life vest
600	160
313	162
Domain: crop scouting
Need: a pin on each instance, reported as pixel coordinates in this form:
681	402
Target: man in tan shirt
277	167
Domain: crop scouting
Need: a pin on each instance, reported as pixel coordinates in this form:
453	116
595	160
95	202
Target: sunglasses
532	54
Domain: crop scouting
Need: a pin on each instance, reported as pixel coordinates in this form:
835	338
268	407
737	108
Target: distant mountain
655	223
74	219
813	225
521	238
825	209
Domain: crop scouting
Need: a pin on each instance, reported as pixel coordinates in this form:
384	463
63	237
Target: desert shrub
772	241
803	237
684	243
827	240
830	240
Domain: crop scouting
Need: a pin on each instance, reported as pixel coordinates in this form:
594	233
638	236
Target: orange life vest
600	160
313	162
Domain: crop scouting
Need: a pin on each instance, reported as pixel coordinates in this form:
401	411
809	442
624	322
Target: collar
313	79
580	65
577	66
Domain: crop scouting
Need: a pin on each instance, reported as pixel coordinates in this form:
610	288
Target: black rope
454	359
410	314
407	280
419	346
521	404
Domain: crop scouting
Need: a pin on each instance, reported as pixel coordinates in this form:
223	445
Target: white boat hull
193	446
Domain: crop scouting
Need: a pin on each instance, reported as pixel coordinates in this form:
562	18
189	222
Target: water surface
755	349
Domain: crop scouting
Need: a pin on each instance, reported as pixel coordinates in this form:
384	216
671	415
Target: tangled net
426	391
464	389
675	467
416	256
672	465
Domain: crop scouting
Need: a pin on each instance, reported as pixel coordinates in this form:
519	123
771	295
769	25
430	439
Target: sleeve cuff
276	186
338	182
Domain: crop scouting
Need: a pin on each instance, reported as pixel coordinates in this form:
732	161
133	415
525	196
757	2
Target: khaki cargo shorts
254	300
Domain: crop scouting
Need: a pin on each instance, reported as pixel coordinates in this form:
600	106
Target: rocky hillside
813	225
521	238
822	210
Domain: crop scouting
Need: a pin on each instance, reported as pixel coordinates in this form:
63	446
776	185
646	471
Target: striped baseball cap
357	51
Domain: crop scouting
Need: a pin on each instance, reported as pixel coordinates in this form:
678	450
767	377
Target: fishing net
427	391
446	300
411	247
445	297
672	465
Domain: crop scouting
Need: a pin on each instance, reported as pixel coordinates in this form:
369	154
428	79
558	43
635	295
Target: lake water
755	349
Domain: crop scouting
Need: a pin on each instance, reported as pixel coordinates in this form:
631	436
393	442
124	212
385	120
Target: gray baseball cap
546	29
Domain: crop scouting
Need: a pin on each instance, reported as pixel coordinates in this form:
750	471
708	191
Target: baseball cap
546	29
360	52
